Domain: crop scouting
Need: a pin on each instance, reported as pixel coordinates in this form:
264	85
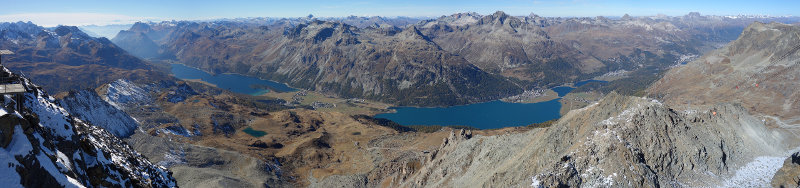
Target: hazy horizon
91	12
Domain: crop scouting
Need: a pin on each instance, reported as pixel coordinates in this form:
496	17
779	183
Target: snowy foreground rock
44	146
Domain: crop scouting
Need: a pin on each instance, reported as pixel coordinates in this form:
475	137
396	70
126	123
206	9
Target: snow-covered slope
42	145
88	106
123	92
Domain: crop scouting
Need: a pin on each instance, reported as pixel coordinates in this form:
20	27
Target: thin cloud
75	19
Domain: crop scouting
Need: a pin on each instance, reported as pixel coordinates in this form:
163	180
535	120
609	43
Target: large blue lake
488	115
233	82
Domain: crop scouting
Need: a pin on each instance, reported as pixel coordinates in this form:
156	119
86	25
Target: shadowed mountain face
137	44
65	58
419	64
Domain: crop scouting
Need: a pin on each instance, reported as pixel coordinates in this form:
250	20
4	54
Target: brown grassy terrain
368	107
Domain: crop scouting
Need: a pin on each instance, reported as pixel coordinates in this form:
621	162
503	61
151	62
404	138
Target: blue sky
81	12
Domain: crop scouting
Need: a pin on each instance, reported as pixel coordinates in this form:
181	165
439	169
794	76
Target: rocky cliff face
44	146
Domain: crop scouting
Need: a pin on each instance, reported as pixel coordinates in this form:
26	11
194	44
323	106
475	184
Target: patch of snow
173	157
536	182
63	160
627	114
75	182
51	116
757	173
175	130
609	180
123	91
19	143
51	168
8	170
89	106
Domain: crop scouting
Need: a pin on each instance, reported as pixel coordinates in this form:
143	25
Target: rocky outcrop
44	146
789	173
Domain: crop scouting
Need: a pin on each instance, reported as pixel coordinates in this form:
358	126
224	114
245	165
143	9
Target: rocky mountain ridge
45	146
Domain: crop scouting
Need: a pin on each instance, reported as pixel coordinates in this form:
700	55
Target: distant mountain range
456	59
64	57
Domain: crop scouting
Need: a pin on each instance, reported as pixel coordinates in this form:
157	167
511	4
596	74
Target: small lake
253	132
233	82
488	115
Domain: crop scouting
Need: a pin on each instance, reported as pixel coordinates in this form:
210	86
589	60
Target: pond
253	132
233	82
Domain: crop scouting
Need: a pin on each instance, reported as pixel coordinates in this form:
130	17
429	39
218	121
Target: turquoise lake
233	82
